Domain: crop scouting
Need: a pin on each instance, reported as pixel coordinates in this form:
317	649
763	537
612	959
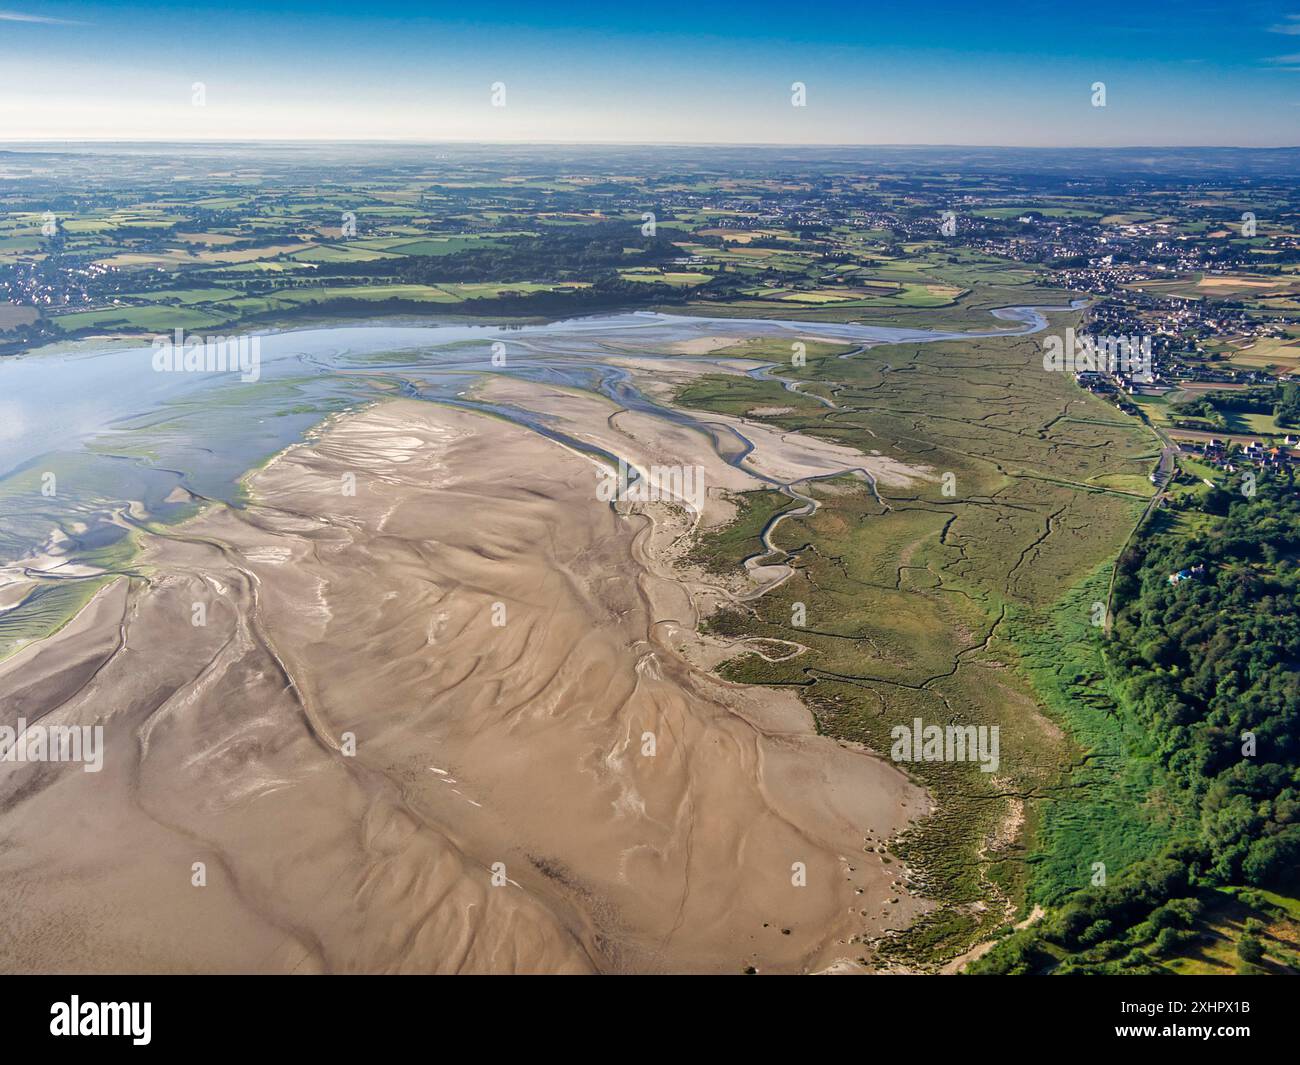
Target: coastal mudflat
427	704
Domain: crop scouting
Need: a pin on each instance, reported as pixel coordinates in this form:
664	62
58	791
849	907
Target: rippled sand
468	671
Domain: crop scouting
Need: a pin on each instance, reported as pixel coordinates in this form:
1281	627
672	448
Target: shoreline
594	885
93	342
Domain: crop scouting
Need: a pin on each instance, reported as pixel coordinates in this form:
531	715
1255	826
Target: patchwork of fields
265	244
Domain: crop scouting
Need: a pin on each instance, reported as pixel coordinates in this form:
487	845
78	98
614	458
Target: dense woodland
571	253
1207	668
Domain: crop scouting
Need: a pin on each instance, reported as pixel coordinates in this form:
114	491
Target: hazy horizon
415	143
289	70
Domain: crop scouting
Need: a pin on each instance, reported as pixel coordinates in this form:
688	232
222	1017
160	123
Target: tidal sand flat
414	709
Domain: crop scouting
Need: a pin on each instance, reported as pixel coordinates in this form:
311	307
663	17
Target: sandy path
518	748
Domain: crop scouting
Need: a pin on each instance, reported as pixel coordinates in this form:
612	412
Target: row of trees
1281	400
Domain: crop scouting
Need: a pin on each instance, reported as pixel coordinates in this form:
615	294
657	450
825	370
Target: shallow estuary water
93	439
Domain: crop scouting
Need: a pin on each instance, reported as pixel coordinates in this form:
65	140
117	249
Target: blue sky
933	72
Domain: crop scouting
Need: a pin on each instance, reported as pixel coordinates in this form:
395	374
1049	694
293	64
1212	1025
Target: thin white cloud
18	16
1291	26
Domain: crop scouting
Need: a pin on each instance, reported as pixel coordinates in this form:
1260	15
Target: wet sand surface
440	716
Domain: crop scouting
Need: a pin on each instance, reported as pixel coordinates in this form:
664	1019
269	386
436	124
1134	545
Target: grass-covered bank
963	599
1204	664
